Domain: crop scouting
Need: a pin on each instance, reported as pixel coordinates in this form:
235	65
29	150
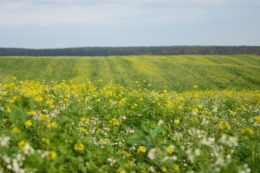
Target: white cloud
101	12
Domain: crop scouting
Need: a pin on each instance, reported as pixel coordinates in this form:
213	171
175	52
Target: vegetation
107	51
175	114
86	127
179	73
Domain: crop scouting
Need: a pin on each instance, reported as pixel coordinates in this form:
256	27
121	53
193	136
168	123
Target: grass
179	73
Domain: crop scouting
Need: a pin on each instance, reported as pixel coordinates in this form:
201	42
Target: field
179	72
205	119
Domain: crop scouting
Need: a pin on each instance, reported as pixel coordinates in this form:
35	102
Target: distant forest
160	50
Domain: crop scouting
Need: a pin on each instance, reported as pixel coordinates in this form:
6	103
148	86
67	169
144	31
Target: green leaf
31	104
89	154
92	167
16	114
134	139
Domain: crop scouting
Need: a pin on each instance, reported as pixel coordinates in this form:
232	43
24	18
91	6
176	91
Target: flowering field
95	127
180	72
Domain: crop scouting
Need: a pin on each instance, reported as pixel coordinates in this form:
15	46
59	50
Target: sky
43	24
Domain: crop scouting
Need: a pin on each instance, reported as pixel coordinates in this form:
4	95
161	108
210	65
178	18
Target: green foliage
96	127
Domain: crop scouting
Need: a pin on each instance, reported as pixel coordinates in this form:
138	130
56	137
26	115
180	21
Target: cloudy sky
81	23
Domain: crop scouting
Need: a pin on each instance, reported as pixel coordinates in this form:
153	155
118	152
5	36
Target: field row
179	73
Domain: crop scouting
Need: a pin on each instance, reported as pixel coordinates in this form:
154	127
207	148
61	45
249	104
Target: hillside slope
179	72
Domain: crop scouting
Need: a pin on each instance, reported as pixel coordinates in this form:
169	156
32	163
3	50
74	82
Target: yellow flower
28	123
195	86
139	115
164	169
247	131
258	119
105	141
127	154
44	117
120	170
104	167
129	165
79	147
170	149
114	121
32	113
8	109
84	121
86	100
45	140
52	125
176	121
176	167
15	130
52	154
194	111
224	125
200	106
50	102
10	101
84	130
231	112
141	149
22	143
38	99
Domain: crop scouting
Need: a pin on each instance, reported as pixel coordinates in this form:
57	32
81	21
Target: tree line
158	50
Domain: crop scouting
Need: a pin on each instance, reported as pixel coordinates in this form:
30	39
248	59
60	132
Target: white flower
220	161
204	122
232	142
6	159
9	167
208	141
192	154
131	131
244	169
89	108
228	140
151	169
16	166
197	152
174	158
43	154
214	109
28	150
177	136
4	141
19	157
111	161
160	123
152	153
166	158
200	133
